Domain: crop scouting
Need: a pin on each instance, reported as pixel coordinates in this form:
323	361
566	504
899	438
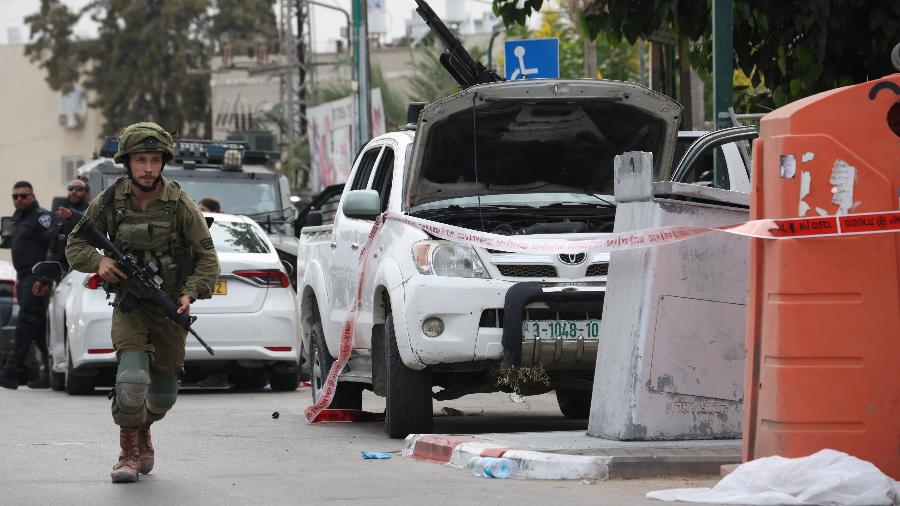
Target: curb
459	450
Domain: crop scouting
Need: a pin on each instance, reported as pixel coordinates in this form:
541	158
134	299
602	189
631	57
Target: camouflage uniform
145	329
171	237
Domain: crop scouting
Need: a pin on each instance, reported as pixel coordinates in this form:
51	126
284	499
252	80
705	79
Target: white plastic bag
829	478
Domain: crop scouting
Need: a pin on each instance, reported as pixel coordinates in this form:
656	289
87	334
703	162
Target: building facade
44	134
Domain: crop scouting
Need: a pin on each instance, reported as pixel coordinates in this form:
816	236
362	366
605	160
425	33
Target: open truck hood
540	136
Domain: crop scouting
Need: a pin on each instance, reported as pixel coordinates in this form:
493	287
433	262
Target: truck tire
408	408
347	395
574	404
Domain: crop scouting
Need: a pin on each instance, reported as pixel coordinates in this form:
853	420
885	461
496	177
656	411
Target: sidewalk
573	455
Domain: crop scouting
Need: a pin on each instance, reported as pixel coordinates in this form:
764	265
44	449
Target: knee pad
163	392
132	381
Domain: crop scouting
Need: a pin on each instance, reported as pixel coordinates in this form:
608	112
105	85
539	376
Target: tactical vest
153	237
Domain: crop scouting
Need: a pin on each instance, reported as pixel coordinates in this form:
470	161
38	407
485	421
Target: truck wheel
347	395
574	404
408	407
284	381
76	385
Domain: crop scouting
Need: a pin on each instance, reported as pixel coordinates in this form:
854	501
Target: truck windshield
237	196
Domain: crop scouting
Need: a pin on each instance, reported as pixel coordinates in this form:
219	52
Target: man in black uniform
78	198
30	240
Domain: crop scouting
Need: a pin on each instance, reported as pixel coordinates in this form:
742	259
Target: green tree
150	60
794	49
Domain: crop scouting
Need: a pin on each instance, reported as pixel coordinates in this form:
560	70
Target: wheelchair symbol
519	51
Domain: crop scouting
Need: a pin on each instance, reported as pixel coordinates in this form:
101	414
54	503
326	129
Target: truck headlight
443	258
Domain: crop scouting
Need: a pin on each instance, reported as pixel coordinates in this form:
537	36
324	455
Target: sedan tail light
93	282
266	277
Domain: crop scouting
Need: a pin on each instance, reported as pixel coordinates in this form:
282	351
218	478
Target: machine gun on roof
458	62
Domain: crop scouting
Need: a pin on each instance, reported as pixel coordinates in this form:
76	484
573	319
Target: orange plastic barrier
823	326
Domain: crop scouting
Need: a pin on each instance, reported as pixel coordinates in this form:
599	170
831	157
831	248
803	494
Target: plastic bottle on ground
491	467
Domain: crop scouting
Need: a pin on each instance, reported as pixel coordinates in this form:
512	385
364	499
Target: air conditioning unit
69	120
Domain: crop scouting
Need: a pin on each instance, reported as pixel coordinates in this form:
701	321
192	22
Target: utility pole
723	72
304	51
361	73
288	48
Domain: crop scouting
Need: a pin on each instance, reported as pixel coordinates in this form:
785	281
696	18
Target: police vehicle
228	171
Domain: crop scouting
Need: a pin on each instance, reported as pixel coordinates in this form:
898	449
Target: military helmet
144	137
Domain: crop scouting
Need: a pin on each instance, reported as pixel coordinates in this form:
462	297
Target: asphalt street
225	447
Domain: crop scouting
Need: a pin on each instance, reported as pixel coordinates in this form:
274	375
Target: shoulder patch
207	244
45	220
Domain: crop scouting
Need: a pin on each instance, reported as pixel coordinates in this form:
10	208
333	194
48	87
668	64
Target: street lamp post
723	73
361	73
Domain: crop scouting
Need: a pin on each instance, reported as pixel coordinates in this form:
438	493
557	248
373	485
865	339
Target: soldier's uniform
170	236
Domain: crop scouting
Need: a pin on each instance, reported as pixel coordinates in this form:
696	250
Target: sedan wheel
76	385
57	379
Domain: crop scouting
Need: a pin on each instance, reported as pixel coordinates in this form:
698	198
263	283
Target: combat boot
126	470
146	448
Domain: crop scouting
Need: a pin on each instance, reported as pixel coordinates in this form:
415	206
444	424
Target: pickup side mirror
48	269
6	231
362	204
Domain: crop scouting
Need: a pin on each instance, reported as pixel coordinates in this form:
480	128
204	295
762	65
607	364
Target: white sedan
251	320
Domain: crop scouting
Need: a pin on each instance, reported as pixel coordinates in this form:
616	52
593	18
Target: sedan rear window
235	237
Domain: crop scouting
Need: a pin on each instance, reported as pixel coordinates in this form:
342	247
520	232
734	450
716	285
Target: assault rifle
143	282
458	62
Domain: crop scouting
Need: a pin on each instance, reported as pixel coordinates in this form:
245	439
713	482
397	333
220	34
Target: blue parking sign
532	59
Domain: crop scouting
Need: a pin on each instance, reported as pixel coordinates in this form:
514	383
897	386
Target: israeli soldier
151	217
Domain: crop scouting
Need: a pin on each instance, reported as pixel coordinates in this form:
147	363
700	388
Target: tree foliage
794	49
430	80
150	60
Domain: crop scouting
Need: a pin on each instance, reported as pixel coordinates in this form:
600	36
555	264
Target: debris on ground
376	455
826	477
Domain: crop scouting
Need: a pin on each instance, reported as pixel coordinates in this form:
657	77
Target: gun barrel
464	69
202	342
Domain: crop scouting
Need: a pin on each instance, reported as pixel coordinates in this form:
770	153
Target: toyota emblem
572	259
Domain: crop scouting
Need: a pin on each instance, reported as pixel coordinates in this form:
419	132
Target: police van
228	171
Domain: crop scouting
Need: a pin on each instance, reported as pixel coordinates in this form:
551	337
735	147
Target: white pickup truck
439	320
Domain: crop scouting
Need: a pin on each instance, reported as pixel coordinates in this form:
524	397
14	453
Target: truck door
348	238
696	166
381	181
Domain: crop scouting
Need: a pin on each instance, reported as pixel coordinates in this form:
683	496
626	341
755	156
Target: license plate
565	329
221	288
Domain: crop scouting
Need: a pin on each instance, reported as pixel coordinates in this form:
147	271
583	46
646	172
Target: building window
69	165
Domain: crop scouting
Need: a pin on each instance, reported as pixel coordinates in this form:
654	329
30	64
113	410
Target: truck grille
598	269
527	271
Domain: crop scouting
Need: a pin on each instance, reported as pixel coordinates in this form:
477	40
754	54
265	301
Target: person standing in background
32	228
209	205
78	198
